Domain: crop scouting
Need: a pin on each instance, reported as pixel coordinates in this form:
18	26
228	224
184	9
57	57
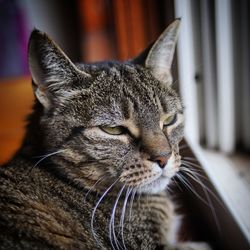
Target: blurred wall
58	18
19	17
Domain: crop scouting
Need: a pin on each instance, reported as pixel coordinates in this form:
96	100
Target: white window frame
221	170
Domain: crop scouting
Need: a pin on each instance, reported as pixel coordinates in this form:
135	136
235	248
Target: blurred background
86	30
211	72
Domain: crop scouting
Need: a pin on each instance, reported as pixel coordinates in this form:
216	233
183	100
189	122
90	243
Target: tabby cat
100	149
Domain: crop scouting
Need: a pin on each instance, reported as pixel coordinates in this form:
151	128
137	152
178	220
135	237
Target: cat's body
48	212
107	136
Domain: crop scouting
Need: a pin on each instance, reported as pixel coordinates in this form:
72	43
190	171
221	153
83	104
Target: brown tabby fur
74	186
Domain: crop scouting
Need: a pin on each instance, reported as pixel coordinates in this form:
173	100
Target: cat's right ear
158	57
51	70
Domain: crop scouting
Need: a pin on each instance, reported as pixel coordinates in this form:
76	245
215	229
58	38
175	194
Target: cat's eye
170	120
118	130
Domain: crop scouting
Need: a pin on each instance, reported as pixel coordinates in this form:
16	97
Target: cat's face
110	123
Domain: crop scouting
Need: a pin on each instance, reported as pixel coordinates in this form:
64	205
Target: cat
107	137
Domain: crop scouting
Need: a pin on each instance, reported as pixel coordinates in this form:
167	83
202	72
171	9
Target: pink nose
160	159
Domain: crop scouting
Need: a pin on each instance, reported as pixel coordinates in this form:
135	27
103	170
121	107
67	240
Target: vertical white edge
197	50
221	171
186	67
245	55
225	77
209	75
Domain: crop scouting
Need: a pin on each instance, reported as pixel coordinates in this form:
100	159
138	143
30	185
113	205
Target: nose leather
156	145
161	160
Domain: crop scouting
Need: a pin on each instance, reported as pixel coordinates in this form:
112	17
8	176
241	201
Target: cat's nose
160	159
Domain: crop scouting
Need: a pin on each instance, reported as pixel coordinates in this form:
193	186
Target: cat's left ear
52	71
159	56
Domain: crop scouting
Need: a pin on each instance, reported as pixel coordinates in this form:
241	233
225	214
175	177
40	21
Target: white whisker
129	190
187	168
96	206
92	187
192	164
184	180
190	158
197	175
48	155
112	223
183	146
196	168
177	184
204	188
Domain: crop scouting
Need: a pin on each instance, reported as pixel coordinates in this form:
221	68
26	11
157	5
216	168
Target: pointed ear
158	58
51	70
141	58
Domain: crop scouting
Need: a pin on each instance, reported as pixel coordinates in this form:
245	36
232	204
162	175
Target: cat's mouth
172	166
161	183
155	186
149	177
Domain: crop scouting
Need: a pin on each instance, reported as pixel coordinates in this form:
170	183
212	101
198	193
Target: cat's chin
160	184
156	186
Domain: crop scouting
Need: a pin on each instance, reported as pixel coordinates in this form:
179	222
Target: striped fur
74	186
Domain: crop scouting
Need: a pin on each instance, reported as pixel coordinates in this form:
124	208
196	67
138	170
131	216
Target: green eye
170	120
113	130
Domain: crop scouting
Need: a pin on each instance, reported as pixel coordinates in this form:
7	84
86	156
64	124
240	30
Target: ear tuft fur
50	68
158	57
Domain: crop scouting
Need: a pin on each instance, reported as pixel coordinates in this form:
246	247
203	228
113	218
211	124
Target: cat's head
110	122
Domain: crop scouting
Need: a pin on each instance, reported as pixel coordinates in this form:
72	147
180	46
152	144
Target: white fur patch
170	169
173	230
160	183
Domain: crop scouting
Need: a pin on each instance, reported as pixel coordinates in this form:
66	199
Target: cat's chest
169	226
175	224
